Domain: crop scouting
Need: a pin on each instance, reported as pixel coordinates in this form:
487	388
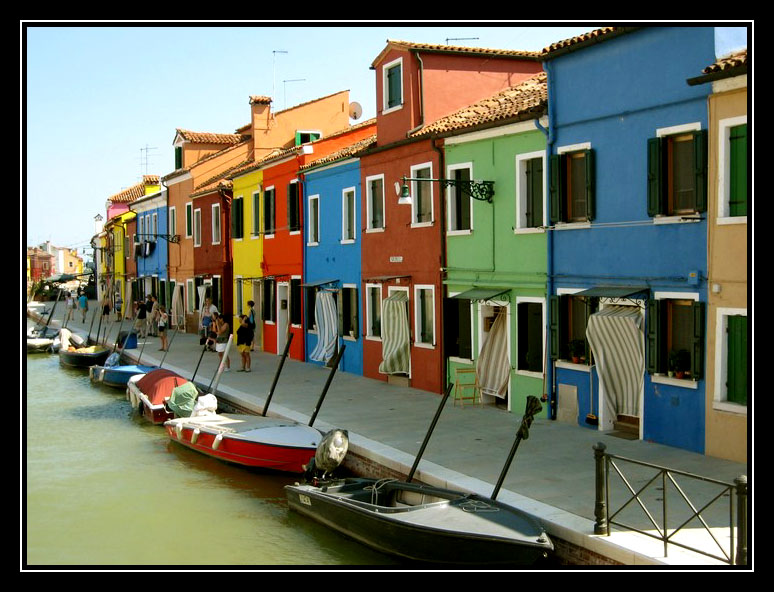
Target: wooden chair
464	388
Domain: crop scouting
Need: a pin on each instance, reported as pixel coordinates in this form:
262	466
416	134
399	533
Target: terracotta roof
583	40
526	100
135	191
219	181
210	138
346	152
734	64
454	49
260	99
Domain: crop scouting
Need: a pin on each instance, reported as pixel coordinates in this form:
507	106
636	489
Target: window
311	301
256	213
296	303
178	157
732	168
374	310
392	82
424	315
530	336
172	221
215	224
237	218
458	328
189	220
154	226
197	227
268	212
348	312
421	195
375	202
141	228
569	317
530	193
238	295
733	344
314	220
459	201
675	336
348	215
677	172
294	217
302	137
572	185
269	311
190	295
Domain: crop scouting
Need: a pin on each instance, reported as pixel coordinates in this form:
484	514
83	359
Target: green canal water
102	487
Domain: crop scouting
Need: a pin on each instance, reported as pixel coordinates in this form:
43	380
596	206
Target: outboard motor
329	455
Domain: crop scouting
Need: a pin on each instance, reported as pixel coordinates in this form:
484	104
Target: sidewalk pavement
552	475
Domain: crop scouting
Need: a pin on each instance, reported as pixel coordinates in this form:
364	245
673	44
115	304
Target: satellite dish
355	110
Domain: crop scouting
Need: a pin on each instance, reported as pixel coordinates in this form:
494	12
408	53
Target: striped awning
492	366
327	320
618	343
395	335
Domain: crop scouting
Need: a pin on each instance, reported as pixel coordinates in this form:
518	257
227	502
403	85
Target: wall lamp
479	190
172	238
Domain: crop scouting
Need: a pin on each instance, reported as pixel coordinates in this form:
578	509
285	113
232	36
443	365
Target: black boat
420	522
81	355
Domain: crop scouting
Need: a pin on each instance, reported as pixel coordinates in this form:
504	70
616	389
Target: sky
100	102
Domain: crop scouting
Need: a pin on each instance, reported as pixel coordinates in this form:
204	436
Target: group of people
77	301
215	331
151	318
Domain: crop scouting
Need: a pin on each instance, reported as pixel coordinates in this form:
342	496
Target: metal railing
736	551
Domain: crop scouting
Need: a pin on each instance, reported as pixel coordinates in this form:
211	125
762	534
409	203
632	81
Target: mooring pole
600	488
284	357
533	407
429	431
335	367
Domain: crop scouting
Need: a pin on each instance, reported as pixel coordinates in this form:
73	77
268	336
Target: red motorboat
150	392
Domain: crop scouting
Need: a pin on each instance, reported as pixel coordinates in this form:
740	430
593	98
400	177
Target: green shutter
534	170
556	188
653	344
736	383
393	86
655	195
738	171
178	157
700	168
697	357
590	184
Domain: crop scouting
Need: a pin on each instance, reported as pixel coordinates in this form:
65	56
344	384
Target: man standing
140	323
83	305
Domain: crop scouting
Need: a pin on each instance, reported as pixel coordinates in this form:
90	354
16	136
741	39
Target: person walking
105	308
70	304
140	321
251	321
83	305
222	330
245	342
162	327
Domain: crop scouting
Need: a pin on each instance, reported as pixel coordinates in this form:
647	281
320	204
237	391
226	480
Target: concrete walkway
552	475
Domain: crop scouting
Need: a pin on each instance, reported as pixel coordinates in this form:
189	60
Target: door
257	299
283	291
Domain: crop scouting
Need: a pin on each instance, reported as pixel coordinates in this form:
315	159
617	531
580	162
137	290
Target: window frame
189	224
295	302
560	325
558	187
257	214
345	210
197	227
398	62
470	307
215	224
450	194
313	221
369	312
296	207
238	218
414	188
269	197
720	392
172	222
349	293
522	193
724	170
369	205
419	315
542	302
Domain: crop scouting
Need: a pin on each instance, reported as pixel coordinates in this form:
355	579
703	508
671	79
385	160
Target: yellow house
729	388
117	248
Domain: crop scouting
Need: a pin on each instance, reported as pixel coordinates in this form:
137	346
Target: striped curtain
395	335
492	366
327	320
178	315
618	343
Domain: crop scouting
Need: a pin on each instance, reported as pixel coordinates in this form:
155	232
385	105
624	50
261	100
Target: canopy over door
492	366
618	343
395	335
326	318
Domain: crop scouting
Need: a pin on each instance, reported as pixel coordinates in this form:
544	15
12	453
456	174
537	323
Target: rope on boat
478	506
376	487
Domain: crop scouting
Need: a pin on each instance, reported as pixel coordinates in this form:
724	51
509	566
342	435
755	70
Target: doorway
494	353
283	290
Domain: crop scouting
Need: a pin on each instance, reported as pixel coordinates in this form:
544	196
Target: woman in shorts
245	342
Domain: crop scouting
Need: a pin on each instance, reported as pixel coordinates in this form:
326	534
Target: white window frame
354	287
172	221
257	213
661	378
542	302
720	395
140	228
369	200
215	224
196	227
189	208
344	211
263	212
418	315
385	86
313	226
291	303
413	172
190	299
155	224
449	174
521	193
724	167
368	288
471	311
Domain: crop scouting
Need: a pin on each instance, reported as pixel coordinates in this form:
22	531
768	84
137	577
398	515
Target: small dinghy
80	356
115	374
39	344
423	523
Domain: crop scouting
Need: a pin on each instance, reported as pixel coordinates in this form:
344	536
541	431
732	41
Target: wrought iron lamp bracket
478	190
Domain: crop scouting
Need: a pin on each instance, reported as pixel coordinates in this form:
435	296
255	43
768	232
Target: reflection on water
105	488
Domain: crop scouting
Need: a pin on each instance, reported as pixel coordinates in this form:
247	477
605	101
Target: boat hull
155	414
39	345
457	528
76	359
117	376
255	441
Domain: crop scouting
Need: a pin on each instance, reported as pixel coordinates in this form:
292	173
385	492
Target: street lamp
478	190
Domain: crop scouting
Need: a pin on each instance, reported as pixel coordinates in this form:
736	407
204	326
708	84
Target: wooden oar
533	407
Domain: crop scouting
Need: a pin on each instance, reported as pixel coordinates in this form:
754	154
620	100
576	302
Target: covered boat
149	393
421	522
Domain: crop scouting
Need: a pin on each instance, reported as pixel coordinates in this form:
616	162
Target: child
163	317
245	342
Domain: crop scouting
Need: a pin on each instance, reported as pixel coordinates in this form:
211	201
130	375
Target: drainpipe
442	229
549	133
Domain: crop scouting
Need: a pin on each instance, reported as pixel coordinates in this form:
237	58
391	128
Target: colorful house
403	239
627	144
494	283
150	251
728	204
332	280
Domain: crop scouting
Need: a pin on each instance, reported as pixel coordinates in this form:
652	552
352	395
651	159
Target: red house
402	243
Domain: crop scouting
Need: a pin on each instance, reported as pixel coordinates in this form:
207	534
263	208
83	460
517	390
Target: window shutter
736	383
653	344
178	157
555	188
700	168
590	184
738	171
697	357
534	192
655	196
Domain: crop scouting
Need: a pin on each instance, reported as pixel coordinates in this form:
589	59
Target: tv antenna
274	70
285	90
144	157
460	39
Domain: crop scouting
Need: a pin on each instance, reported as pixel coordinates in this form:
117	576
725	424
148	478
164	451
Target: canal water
105	488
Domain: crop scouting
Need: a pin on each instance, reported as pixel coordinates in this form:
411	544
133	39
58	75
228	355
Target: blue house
332	278
627	178
151	246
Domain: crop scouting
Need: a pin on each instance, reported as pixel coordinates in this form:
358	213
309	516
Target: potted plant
577	349
672	363
679	362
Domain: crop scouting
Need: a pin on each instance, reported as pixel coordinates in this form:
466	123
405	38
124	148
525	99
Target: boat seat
466	387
